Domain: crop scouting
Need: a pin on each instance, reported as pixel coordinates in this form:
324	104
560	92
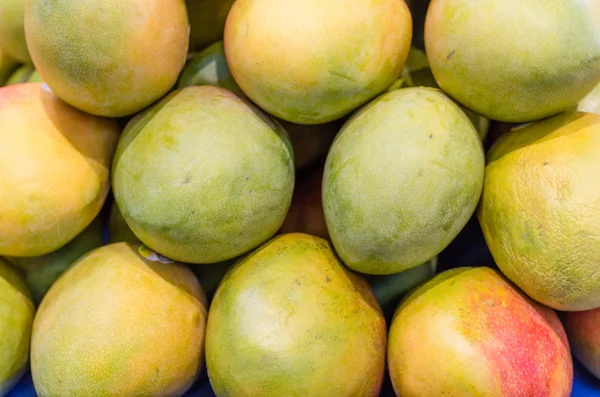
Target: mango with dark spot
203	176
315	61
54	169
290	320
469	332
517	60
582	331
120	323
540	208
16	317
401	180
108	58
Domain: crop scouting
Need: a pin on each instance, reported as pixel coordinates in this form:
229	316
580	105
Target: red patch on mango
523	342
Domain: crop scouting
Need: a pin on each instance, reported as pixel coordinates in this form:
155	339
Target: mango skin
54	169
290	320
314	61
43	271
582	330
118	324
469	332
202	176
24	74
209	67
112	63
401	180
16	318
539	209
118	230
514	61
7	66
12	30
207	21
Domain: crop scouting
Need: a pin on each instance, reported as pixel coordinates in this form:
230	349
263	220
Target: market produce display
247	198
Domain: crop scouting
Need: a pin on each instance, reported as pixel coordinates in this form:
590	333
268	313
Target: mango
469	332
290	320
118	230
591	102
540	209
514	61
311	142
42	271
401	180
16	318
54	169
24	74
417	73
582	331
209	67
121	321
12	30
315	61
7	66
109	59
207	21
203	176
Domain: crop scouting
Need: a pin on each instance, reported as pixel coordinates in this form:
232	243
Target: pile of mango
263	192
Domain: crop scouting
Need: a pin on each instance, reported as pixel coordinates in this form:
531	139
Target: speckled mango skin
109	59
401	180
12	30
469	332
203	176
582	330
314	61
54	169
517	60
116	324
539	209
290	320
16	318
207	21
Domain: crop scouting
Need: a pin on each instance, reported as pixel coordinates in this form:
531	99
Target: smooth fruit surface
469	332
108	58
7	66
582	330
12	30
203	176
314	61
401	180
209	67
207	21
54	169
516	60
119	322
16	318
539	209
290	320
